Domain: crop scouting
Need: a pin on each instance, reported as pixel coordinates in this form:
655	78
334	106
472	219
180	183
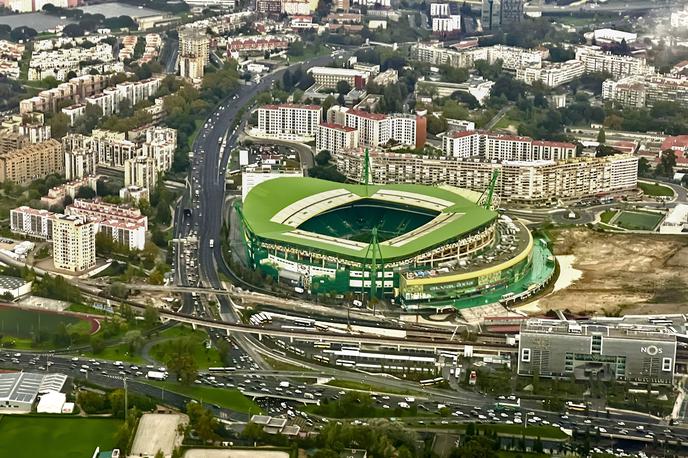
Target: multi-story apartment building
527	182
32	162
59	62
258	44
191	67
512	58
141	172
376	129
328	77
11	140
335	137
195	42
597	60
112	148
593	350
495	13
31	222
273	7
552	74
74	243
79	163
125	225
289	119
646	91
497	147
160	144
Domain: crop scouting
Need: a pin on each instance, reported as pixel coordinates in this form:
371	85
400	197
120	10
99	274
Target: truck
284	384
156	375
211	243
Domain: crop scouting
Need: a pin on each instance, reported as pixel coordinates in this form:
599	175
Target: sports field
638	221
24	323
23	436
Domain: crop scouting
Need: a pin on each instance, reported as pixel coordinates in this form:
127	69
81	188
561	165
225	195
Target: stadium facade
422	245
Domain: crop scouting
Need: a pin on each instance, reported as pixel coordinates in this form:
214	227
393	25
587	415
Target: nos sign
651	350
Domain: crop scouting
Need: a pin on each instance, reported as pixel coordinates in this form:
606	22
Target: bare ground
626	273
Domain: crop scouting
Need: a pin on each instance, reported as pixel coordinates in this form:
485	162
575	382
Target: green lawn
655	189
509	119
231	399
205	357
119	352
607	216
637	220
25	436
24	323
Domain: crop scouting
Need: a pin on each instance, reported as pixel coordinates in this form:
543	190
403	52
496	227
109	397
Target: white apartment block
495	147
439	9
112	148
526	182
552	74
125	225
74	243
32	223
376	129
191	67
328	77
335	137
141	172
596	60
61	61
512	57
79	163
289	119
447	24
74	112
160	144
646	91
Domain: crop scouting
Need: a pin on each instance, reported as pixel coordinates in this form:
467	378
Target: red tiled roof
461	134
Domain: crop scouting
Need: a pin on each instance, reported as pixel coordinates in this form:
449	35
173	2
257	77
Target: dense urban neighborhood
343	228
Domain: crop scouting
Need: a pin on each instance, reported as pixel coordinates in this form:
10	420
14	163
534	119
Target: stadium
423	245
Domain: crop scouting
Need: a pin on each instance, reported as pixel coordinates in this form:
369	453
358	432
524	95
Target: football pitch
24	436
639	221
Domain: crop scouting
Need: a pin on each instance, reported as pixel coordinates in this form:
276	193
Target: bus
502	406
345	363
221	369
578	407
322	344
431	381
303	322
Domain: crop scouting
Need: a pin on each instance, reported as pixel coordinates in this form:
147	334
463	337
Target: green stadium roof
266	200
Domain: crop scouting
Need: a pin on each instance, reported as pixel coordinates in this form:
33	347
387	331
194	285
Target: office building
328	77
525	182
289	119
141	172
74	243
496	13
32	162
335	137
591	350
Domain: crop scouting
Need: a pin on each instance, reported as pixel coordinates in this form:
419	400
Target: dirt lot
629	273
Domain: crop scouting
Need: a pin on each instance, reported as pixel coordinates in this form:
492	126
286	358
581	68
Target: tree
296	48
59	125
202	421
343	87
667	162
323	158
84	192
643	167
151	316
327	103
97	344
601	136
73	30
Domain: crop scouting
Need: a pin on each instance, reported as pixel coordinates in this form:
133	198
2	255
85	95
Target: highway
205	194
